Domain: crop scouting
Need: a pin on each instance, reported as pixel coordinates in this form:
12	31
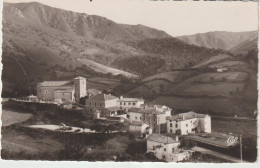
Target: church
62	90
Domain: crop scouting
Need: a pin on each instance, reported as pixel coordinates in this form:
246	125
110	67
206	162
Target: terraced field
215	89
212	60
104	69
214	106
216	77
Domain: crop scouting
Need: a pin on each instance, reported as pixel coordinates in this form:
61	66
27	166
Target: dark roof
113	108
187	116
93	91
55	83
149	110
102	97
161	139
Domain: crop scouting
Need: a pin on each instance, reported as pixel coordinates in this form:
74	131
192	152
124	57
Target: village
168	136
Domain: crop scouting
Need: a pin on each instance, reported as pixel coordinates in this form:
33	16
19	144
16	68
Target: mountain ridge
218	39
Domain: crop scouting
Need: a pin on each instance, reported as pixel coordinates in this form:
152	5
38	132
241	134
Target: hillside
39	41
219	39
245	46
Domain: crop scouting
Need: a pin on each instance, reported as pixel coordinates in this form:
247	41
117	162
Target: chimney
183	117
121	97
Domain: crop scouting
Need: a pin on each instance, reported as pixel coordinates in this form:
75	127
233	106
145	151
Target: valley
129	60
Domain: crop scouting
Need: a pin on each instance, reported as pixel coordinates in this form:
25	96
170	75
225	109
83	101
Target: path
217	154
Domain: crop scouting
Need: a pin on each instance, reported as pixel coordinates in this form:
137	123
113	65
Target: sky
174	17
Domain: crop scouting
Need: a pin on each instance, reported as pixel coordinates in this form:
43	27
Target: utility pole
241	157
158	119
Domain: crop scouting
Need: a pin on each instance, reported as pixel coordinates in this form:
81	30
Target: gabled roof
55	83
93	91
145	109
186	116
130	100
161	139
102	97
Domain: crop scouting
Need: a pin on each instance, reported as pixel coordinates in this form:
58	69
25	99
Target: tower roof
80	77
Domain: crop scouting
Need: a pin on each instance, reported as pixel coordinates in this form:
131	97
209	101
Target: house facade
190	122
163	147
149	115
140	127
126	103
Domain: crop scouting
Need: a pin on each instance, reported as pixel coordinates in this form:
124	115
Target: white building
190	122
163	147
126	103
221	69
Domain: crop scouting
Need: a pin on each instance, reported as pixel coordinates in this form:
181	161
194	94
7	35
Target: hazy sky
176	18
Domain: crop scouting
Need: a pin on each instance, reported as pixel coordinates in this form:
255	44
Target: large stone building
101	102
190	122
62	90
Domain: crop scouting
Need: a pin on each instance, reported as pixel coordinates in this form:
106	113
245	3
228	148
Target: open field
244	127
14	141
105	69
215	89
212	60
10	117
158	85
172	76
216	77
213	106
227	64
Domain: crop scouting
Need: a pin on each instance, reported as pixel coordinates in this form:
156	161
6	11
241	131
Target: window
187	131
176	125
140	118
164	149
170	124
133	104
190	121
153	147
95	104
120	103
170	131
124	103
172	150
100	104
186	125
170	120
135	117
163	156
46	91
